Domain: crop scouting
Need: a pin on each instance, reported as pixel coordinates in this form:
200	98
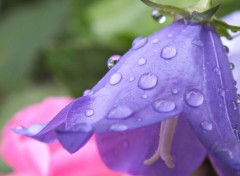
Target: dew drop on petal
217	70
225	49
115	78
174	91
168	52
231	65
194	98
144	96
118	127
36	128
139	42
238	98
86	92
113	60
155	40
234	105
197	43
89	112
131	79
83	127
169	35
142	61
164	106
221	92
207	125
120	112
147	81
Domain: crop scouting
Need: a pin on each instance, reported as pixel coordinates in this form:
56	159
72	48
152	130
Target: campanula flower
28	157
165	104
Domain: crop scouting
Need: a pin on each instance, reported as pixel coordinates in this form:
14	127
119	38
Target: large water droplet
113	60
158	16
194	97
168	52
197	43
164	106
115	78
142	61
139	42
89	112
118	127
207	125
225	49
147	81
120	112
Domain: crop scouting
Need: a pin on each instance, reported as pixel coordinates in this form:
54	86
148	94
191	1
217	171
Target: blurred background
60	47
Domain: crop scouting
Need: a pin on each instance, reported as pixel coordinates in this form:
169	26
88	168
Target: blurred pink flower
28	157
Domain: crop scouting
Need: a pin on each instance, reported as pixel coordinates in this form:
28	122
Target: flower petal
126	151
216	120
148	83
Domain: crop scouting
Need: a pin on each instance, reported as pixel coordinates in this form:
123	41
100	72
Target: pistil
167	130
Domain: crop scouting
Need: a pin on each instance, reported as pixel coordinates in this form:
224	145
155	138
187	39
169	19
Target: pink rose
28	157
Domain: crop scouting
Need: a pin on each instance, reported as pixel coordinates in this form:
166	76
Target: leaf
23	32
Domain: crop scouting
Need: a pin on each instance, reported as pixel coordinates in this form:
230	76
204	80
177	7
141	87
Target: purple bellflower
165	104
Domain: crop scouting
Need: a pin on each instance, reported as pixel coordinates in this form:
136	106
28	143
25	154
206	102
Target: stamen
166	134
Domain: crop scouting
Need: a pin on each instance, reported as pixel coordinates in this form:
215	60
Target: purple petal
148	83
126	151
57	128
215	119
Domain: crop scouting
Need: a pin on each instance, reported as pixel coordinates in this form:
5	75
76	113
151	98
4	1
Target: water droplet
83	127
169	35
142	61
238	99
89	112
115	78
132	79
168	52
174	91
194	98
36	128
158	16
139	42
147	81
221	92
164	106
217	70
86	92
118	127
232	66
234	105
198	43
113	60
155	40
120	112
225	49
234	82
207	125
145	96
